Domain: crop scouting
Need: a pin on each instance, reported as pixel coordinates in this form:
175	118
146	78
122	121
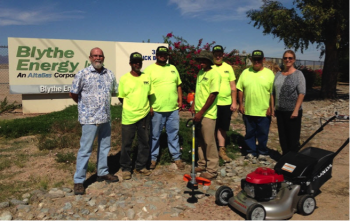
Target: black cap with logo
258	54
136	57
162	49
218	48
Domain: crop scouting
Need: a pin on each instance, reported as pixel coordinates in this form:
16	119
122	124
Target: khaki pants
207	150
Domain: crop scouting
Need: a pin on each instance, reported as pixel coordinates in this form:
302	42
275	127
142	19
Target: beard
162	62
97	64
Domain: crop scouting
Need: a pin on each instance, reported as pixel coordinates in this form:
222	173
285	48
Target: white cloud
214	10
40	15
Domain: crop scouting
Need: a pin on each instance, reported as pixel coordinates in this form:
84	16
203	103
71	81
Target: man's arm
74	97
270	111
240	98
198	117
179	95
233	96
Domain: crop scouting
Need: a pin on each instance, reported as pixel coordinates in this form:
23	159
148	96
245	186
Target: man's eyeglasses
289	58
97	56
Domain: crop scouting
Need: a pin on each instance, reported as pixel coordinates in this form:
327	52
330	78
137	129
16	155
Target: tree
182	56
324	22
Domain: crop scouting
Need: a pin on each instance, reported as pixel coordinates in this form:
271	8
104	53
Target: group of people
151	100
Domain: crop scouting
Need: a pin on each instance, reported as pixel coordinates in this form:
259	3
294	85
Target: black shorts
223	117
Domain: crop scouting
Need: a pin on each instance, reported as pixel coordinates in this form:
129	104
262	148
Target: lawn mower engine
263	184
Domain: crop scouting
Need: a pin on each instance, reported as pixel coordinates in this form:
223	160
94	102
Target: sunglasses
257	59
289	58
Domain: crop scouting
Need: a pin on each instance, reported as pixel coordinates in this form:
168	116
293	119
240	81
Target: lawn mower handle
336	116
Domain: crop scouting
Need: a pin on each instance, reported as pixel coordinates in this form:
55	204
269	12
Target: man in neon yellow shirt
134	91
227	99
205	107
255	85
165	104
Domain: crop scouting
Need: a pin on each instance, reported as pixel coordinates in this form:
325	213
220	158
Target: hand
268	112
294	114
233	107
198	117
241	109
151	112
180	105
192	109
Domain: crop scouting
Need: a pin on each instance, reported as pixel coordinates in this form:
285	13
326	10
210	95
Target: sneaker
126	175
199	169
208	176
153	165
249	156
222	154
144	172
180	165
263	157
109	178
79	189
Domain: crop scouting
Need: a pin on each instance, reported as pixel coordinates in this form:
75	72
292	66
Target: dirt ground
24	168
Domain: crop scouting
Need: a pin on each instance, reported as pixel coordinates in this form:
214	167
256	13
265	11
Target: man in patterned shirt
92	89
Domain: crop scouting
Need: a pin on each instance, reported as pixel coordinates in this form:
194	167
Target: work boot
199	169
126	175
180	165
109	178
144	172
222	154
208	176
79	189
153	165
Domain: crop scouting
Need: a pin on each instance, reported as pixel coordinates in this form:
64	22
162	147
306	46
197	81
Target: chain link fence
4	79
314	65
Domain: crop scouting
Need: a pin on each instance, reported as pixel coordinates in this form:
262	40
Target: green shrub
65	158
5	106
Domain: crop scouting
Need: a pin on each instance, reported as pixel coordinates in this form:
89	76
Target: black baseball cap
162	49
257	54
218	48
136	57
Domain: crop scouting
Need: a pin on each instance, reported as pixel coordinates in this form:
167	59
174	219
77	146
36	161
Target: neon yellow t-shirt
227	75
207	83
134	91
165	80
257	89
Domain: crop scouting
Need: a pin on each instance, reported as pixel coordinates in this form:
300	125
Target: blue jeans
89	132
257	128
171	120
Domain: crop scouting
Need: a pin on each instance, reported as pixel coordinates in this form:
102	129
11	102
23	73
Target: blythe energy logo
30	57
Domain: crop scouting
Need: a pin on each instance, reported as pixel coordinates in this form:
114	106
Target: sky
222	21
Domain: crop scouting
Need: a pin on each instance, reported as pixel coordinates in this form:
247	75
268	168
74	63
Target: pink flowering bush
182	55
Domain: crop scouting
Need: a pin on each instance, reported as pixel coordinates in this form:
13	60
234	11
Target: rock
223	172
152	207
67	206
130	213
41	216
4	205
190	205
91	202
17	202
113	208
200	196
84	211
230	174
78	197
211	192
6	216
26	195
23	208
45	210
66	190
55	193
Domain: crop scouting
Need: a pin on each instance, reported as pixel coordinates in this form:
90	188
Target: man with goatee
92	89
